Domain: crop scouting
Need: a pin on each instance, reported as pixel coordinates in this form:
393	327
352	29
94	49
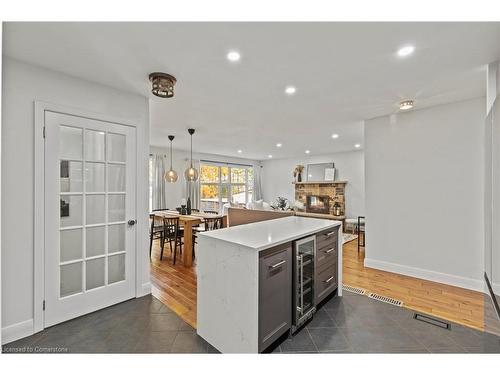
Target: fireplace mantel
320	183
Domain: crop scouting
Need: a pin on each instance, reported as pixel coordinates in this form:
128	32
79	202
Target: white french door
90	179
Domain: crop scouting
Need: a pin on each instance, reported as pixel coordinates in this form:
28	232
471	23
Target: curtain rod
226	162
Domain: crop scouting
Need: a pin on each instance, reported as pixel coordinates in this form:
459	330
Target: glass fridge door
305	251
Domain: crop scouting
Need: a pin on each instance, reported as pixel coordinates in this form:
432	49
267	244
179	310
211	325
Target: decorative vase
188	206
299	177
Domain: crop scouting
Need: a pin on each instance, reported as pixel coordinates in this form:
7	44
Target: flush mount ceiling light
406	51
233	56
406	105
308	151
335	136
269	156
162	84
171	175
278	145
290	90
191	174
357	145
240	151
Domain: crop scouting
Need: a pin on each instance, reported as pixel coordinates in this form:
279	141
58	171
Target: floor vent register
385	299
353	289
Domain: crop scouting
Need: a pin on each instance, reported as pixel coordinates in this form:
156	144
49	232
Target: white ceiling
344	73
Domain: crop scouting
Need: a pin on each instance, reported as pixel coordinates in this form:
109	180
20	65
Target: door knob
132	222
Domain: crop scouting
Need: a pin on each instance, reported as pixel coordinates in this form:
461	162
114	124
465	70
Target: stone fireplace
321	197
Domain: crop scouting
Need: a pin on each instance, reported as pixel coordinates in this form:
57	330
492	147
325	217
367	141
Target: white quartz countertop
265	234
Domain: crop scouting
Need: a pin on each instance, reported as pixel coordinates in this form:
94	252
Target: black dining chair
211	212
211	223
172	232
155	231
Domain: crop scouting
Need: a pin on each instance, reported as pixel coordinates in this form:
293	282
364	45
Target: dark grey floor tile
321	319
301	341
384	339
329	339
188	342
432	337
156	342
359	318
122	341
166	322
134	322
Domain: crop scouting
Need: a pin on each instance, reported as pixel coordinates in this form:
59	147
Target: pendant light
191	174
171	175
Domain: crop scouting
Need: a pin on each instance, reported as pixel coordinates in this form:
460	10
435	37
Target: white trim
37	323
438	277
146	289
17	331
496	288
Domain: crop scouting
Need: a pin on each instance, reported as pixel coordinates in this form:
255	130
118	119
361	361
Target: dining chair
211	223
172	232
211	212
195	210
155	231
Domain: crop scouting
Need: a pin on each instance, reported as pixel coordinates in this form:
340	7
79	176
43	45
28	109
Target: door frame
40	108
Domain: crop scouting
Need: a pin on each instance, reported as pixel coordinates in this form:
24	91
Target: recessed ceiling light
233	56
240	151
290	90
406	104
357	145
335	136
269	156
278	145
308	151
406	51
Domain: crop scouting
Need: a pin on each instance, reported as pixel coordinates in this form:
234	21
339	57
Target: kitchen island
245	274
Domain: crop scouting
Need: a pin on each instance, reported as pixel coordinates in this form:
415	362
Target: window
222	183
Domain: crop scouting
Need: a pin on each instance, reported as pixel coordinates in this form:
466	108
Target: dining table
188	222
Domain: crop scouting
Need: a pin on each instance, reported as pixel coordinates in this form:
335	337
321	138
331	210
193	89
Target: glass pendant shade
191	174
171	175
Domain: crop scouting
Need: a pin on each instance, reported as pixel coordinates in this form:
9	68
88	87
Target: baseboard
438	277
145	289
17	331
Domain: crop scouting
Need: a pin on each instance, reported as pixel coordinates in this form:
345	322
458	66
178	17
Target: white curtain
192	189
158	184
257	182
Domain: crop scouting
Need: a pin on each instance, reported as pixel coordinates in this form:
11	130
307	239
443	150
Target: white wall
22	85
176	191
424	193
277	177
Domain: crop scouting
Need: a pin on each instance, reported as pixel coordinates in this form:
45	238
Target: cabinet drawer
326	282
327	238
326	255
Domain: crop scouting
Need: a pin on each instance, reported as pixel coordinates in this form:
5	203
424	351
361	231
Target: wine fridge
304	253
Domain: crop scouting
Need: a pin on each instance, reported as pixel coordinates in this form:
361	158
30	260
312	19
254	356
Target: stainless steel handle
302	284
278	264
329	279
329	250
329	234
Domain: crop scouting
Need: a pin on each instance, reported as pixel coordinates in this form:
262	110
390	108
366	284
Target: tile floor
351	324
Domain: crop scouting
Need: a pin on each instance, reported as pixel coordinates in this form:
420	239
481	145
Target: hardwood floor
176	287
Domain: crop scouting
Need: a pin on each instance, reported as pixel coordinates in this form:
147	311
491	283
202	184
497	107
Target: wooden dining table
188	222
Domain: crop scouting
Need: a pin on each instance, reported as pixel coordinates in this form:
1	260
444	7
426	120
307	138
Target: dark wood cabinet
275	293
326	277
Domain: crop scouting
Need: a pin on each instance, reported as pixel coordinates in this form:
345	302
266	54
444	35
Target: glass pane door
90	179
92	214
